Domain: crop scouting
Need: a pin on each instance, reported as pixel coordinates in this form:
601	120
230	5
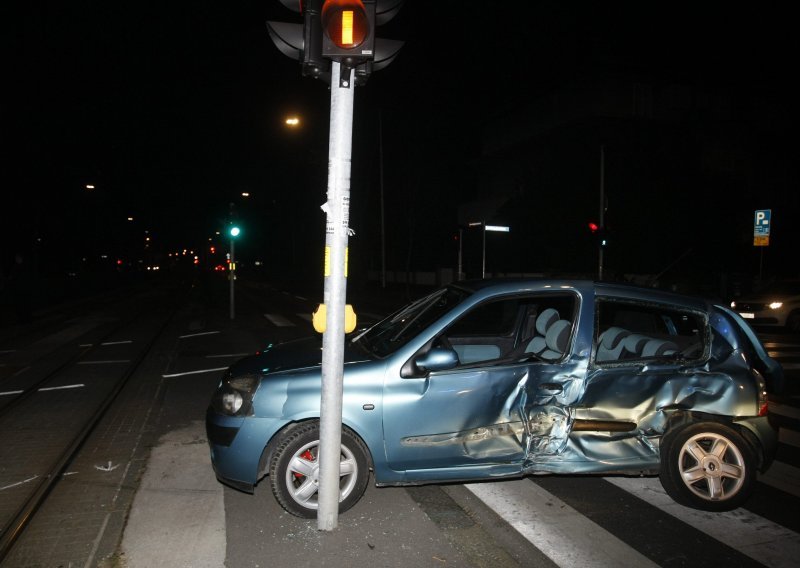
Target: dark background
491	110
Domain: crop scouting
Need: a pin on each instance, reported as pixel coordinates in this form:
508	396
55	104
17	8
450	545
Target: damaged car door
487	390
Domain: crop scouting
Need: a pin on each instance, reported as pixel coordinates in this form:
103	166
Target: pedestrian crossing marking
766	542
563	534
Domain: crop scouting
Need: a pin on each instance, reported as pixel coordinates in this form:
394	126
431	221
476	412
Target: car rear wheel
294	470
707	466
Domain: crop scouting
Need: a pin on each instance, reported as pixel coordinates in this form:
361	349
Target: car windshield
390	334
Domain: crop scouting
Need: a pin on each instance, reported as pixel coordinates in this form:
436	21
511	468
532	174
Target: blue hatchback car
493	379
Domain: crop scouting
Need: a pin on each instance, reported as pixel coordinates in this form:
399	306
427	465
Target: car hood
291	356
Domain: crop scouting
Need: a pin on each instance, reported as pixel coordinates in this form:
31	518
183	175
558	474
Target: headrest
613	336
658	347
558	336
545	319
634	343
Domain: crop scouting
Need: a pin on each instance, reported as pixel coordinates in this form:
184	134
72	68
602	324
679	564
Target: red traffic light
593	227
345	22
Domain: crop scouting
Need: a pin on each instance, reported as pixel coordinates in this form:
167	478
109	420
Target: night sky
173	109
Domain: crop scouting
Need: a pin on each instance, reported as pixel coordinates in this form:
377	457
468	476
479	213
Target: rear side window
630	331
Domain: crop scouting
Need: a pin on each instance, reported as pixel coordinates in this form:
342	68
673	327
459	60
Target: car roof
608	289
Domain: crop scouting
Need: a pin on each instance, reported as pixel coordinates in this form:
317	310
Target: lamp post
234	232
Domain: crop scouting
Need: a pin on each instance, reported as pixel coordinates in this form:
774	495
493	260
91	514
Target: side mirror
437	359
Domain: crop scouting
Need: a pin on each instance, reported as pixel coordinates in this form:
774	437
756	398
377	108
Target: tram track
47	419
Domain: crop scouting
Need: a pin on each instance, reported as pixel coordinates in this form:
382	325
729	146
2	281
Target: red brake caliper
307	455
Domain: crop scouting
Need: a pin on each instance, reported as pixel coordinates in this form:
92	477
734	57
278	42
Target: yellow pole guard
318	318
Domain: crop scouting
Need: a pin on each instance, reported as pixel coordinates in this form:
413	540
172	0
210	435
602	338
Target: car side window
513	329
630	331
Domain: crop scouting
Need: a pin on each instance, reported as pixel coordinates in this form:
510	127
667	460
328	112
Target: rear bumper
764	435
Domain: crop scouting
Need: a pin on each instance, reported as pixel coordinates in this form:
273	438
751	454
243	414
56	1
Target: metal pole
383	224
232	277
337	231
483	253
460	245
602	209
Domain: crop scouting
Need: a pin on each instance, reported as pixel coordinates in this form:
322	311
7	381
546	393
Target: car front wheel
707	466
294	470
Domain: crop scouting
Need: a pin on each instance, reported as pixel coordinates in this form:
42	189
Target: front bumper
236	444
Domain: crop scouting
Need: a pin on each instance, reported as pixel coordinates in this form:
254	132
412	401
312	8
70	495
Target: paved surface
181	516
143	494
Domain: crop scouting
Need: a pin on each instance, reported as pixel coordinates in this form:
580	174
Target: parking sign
761	227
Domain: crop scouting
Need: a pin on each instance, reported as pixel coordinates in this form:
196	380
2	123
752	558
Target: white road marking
567	537
782	476
200	372
9	393
62	387
197	334
106	362
784	410
227	355
764	541
123	342
278	320
18	483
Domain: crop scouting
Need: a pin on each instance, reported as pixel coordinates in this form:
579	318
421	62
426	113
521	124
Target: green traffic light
235	231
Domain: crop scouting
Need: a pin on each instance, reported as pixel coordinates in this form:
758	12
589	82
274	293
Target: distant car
498	379
777	305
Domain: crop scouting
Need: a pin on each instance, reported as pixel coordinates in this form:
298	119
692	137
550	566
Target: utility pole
337	230
602	209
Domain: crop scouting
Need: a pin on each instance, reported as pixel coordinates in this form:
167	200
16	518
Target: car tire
707	466
294	470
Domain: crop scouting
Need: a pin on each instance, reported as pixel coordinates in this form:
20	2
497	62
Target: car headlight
775	305
733	305
234	397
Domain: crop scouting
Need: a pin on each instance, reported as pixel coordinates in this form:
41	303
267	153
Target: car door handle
551	388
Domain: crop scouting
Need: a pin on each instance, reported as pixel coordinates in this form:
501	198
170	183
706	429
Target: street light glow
497	228
293	121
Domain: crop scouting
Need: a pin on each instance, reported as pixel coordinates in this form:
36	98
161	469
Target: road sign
761	226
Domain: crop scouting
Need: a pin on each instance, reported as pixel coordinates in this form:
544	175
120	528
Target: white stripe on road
766	542
227	355
782	476
784	410
107	362
782	354
8	393
107	343
278	320
195	372
567	537
198	334
62	387
789	437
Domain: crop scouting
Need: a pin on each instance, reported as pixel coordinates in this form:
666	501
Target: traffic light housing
337	30
348	31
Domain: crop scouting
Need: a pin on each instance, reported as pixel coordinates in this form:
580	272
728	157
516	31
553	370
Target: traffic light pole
232	278
337	231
